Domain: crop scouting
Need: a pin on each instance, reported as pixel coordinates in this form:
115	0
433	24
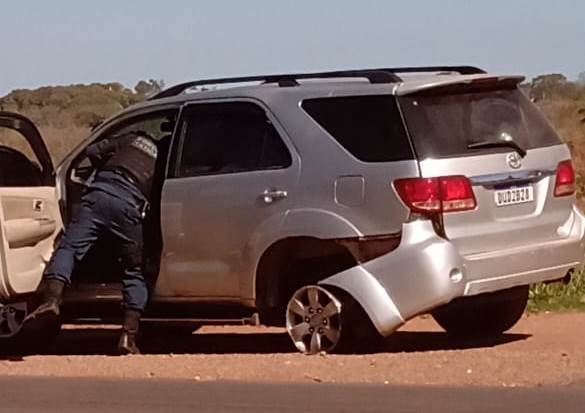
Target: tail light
442	194
565	183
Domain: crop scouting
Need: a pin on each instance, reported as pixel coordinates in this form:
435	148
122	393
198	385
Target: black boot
127	343
51	298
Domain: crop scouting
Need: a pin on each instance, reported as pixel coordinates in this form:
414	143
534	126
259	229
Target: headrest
167	126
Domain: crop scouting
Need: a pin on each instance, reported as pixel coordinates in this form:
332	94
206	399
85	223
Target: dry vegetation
563	103
66	114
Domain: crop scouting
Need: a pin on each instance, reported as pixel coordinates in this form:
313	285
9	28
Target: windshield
456	124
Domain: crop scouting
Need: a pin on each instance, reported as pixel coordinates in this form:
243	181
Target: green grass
558	296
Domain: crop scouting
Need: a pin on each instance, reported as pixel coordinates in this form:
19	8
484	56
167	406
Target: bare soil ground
546	349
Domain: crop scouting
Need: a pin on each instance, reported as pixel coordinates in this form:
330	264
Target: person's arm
99	152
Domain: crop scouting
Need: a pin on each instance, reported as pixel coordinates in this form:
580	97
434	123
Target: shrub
559	296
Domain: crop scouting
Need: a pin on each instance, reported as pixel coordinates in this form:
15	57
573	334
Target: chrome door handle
269	196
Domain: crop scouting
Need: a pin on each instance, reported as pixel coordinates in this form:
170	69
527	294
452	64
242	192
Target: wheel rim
11	318
313	319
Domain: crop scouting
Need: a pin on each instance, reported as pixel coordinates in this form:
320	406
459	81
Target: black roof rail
464	70
374	76
380	75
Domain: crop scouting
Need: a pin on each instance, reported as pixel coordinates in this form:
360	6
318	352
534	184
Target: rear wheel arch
319	223
291	263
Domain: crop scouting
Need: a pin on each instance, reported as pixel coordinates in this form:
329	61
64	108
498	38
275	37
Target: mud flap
424	272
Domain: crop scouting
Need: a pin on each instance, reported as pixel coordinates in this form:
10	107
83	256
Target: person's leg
78	237
135	295
127	226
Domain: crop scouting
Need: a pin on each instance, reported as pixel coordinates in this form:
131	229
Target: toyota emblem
514	160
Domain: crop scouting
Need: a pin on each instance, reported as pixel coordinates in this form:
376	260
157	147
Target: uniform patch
145	145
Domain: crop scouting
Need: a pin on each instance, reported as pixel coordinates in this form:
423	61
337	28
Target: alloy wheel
313	319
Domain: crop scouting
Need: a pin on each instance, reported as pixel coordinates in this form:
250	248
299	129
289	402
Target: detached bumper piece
426	271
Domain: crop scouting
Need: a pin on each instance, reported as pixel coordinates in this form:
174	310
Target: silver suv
337	204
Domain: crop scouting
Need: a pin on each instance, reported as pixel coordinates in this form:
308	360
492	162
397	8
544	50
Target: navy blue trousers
111	206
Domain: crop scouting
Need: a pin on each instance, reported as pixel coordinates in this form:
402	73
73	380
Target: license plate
512	196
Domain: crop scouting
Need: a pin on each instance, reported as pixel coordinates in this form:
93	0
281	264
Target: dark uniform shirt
133	156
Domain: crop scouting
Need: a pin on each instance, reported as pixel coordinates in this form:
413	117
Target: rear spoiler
439	84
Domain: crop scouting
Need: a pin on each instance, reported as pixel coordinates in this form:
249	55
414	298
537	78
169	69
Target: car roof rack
462	70
374	76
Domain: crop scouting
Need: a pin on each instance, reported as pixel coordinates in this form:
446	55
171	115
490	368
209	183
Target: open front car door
29	211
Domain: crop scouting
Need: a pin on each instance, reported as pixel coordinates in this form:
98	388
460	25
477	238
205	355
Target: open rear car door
29	211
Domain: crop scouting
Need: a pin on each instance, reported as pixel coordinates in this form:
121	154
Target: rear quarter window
368	127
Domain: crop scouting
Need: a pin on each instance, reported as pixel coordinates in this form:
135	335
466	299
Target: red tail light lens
420	194
457	194
443	194
565	184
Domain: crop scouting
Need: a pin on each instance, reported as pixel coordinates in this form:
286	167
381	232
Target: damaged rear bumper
426	271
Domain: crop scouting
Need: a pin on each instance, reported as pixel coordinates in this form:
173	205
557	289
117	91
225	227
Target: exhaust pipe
568	276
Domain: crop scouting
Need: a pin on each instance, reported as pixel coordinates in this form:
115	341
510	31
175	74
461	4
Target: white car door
29	212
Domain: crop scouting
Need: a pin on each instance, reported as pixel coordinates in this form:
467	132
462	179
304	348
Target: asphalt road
21	394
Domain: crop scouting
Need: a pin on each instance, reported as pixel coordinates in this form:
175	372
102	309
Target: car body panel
326	164
529	263
211	224
489	227
426	271
29	222
29	218
409	280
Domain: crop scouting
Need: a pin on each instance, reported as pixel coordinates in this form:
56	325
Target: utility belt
127	176
143	204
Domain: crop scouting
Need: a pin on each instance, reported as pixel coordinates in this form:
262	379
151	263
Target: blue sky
68	41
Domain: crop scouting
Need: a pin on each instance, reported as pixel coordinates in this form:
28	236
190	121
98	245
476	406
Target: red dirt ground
546	349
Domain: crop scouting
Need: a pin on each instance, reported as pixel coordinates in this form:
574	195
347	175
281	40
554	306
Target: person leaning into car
115	203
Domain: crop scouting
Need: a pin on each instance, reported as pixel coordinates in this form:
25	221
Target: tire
327	320
483	316
360	334
34	337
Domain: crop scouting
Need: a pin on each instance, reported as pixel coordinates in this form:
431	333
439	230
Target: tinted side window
232	137
369	127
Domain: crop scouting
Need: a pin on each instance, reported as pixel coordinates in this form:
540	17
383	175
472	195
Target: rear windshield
446	124
369	127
